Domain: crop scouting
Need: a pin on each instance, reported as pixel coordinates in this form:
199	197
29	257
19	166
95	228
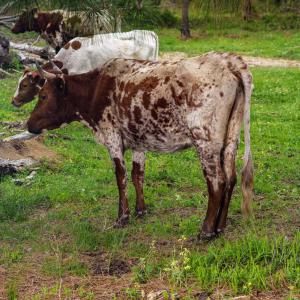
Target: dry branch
41	51
5	24
20	137
4	72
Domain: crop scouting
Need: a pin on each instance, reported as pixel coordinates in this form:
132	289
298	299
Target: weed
178	268
11	291
145	267
8	255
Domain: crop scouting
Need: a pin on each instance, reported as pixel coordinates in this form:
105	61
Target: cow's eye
24	85
43	97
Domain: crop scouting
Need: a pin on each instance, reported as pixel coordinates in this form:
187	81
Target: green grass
50	227
282	44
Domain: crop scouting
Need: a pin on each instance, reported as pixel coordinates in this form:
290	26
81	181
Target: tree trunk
139	4
277	2
248	10
185	29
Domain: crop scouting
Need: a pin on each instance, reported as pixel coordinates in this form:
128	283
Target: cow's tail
247	171
156	41
240	69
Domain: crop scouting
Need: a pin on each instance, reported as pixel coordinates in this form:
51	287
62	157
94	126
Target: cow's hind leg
230	174
137	175
210	156
229	156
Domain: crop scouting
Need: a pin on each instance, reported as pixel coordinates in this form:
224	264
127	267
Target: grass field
282	44
56	235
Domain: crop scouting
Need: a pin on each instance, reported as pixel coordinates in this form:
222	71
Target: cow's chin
40	128
34	130
16	31
16	104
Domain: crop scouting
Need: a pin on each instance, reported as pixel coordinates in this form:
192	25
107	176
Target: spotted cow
81	55
161	107
58	27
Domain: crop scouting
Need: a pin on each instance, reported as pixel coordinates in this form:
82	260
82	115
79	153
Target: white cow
81	55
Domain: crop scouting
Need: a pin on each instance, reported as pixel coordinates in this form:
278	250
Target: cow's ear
34	77
60	83
26	70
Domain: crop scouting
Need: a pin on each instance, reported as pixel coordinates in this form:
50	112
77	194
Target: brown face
52	109
25	21
29	85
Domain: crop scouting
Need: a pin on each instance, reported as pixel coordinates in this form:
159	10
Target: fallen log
9	18
5	24
20	137
43	52
29	58
4	72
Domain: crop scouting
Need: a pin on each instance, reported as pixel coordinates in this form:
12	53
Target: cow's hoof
206	236
122	221
141	213
220	231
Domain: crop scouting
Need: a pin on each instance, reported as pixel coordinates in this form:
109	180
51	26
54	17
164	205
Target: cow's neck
81	93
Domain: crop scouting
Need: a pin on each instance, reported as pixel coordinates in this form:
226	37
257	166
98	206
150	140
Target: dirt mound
33	149
102	264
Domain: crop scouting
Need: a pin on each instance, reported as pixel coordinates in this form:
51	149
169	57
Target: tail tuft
247	187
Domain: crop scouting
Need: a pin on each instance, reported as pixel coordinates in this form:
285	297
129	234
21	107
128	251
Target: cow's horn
43	73
55	67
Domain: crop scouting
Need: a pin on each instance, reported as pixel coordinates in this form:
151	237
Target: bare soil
101	263
34	149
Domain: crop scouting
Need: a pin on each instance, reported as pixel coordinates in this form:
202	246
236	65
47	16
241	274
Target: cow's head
53	108
26	21
31	82
28	87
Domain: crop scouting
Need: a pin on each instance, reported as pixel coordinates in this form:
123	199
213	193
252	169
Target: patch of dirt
233	36
101	263
34	149
250	60
173	56
182	212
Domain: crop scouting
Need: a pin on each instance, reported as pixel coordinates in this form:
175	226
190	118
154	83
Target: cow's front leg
120	169
137	175
117	157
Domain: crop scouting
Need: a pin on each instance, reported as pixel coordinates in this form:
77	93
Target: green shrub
168	19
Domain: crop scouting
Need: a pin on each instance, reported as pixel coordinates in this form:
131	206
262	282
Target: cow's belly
156	142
